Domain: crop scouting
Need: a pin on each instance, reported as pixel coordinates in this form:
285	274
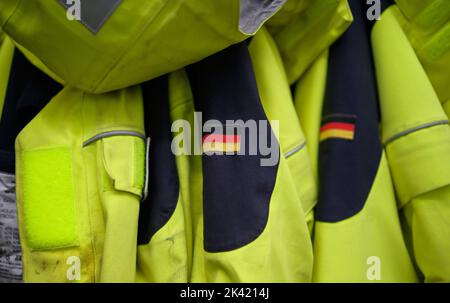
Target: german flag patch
217	143
338	126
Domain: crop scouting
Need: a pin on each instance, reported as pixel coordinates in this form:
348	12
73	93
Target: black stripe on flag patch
342	118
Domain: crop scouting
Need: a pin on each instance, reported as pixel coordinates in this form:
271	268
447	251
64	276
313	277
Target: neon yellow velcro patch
139	162
48	199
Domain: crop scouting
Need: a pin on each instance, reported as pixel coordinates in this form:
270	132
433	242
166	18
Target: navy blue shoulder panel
27	93
164	185
236	188
350	148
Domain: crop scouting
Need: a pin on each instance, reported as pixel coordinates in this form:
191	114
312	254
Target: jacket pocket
121	178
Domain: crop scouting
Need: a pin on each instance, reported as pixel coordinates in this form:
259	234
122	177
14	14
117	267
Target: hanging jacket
98	52
301	30
80	173
357	236
249	225
416	136
79	176
177	225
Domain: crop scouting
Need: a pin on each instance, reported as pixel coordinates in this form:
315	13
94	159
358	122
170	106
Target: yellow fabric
138	42
38	63
282	253
6	56
48	199
120	201
287	14
308	98
418	146
401	73
212	147
408	101
427	26
333	133
106	192
427	217
168	257
309	94
277	102
342	250
311	32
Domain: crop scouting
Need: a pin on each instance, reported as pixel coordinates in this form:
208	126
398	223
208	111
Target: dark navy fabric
385	4
28	91
7	161
348	168
164	186
236	188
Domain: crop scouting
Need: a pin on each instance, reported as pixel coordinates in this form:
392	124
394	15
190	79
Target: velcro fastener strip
49	213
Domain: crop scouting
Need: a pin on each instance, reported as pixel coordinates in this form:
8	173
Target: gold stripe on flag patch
336	133
221	147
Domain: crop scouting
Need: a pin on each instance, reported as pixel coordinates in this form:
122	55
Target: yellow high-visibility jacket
416	136
80	167
118	43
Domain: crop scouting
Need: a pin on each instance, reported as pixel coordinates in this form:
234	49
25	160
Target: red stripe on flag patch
221	138
338	125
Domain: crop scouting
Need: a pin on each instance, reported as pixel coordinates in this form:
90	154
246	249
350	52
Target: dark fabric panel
164	187
28	91
7	163
236	188
385	4
338	118
347	168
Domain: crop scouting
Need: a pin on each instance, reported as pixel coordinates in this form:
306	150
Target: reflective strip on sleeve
93	13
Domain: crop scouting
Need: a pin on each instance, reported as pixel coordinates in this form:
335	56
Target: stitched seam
12	13
415	129
295	150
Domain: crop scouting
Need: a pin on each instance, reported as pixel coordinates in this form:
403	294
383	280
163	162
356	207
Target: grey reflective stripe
147	169
93	13
412	130
253	13
339	116
295	150
113	133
